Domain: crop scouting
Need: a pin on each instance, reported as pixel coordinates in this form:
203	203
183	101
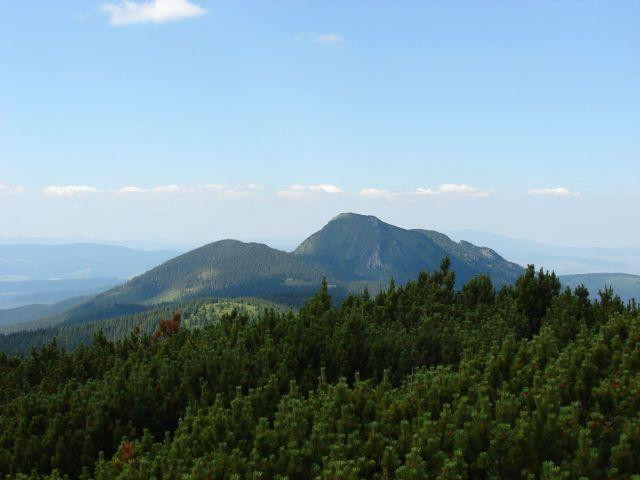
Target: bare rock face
373	260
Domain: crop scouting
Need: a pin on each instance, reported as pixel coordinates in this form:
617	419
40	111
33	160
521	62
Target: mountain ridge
363	247
351	251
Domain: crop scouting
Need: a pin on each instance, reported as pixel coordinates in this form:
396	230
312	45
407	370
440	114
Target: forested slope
195	313
30	316
352	251
417	382
225	268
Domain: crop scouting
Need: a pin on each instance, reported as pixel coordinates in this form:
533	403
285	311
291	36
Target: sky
186	121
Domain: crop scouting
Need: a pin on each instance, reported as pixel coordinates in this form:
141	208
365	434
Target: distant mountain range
21	293
352	251
75	261
564	260
625	285
45	274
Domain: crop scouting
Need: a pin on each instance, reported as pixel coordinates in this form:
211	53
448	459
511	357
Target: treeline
419	381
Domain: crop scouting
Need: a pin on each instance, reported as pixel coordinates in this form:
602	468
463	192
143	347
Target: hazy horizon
282	242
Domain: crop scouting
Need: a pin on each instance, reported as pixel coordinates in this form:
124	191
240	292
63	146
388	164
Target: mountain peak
363	247
353	216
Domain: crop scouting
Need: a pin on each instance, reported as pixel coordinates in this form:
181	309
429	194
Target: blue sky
188	121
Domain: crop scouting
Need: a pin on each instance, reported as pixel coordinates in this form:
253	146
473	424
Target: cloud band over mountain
294	191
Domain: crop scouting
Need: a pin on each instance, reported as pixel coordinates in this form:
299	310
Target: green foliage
534	294
418	381
478	291
222	268
196	313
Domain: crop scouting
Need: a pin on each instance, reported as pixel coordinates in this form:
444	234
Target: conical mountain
362	247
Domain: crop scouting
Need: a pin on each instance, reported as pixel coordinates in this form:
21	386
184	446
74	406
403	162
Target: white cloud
325	188
302	190
76	190
130	190
553	192
157	11
444	190
207	188
170	189
69	190
453	190
10	190
376	193
161	190
448	190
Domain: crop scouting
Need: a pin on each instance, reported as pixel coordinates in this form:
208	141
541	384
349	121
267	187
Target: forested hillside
352	251
223	269
226	267
195	313
28	315
418	381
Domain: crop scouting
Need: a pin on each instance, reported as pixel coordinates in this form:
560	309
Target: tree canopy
418	381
